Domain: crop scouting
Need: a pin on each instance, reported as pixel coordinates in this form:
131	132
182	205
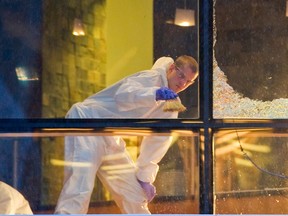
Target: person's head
182	73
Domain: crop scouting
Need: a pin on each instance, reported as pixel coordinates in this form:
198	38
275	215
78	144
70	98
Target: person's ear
171	68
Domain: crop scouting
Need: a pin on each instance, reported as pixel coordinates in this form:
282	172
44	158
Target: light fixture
184	17
287	8
78	27
26	73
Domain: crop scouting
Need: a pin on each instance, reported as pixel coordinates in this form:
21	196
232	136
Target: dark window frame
206	124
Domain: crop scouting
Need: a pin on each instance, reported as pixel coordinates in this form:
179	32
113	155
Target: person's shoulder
165	58
163	62
4	186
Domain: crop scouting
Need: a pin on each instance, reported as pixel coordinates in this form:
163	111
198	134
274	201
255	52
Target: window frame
205	123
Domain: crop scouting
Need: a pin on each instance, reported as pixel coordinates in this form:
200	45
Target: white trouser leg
117	172
88	154
83	157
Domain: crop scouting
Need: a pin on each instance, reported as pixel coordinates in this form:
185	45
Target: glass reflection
177	182
250	171
20	39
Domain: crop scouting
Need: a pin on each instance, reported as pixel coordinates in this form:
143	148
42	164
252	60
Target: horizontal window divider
157	125
250	123
96	125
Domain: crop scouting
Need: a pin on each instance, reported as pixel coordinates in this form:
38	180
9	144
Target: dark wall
20	32
20	40
251	46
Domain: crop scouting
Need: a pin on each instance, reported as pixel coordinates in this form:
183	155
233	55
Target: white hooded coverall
106	156
13	202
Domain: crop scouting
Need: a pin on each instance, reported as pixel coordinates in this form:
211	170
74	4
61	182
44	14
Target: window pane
250	171
250	62
45	69
33	163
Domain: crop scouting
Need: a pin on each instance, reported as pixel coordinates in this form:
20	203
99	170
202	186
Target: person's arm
152	150
140	90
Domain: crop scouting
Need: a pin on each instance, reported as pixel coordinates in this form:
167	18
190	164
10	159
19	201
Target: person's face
180	78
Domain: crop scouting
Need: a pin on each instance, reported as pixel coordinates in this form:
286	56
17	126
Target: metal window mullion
206	56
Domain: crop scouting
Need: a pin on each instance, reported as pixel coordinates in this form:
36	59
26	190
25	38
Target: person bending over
141	95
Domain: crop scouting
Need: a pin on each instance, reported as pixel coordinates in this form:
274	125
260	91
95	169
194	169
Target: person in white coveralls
13	202
140	95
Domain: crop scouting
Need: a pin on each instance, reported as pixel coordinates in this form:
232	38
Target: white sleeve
152	150
137	91
140	91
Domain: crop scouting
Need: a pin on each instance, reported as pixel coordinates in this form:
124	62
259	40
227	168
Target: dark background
251	46
20	39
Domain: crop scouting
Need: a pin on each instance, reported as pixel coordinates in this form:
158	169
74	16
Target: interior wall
73	67
117	41
129	37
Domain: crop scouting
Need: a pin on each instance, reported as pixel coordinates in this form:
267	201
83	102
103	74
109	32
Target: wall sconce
184	17
287	8
26	73
78	27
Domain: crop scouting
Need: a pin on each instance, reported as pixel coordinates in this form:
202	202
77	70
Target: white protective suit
106	156
12	201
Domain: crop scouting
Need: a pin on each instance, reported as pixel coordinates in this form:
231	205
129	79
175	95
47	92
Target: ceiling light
184	17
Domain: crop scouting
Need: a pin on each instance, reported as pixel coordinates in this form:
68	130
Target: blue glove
149	190
165	93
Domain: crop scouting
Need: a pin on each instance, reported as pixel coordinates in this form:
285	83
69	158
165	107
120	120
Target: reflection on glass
184	17
26	74
39	176
251	171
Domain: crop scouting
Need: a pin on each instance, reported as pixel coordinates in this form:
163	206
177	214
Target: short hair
187	60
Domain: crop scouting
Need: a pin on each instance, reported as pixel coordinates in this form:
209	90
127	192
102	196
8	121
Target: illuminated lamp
184	17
